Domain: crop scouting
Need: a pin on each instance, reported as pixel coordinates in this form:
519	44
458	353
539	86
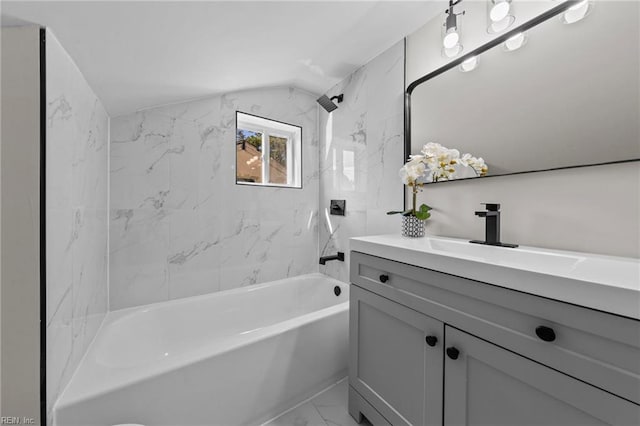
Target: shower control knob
384	278
545	333
431	340
453	353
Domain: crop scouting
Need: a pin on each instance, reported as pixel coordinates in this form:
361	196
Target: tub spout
339	256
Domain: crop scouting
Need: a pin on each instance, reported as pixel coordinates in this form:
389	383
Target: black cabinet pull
384	278
545	333
453	353
431	340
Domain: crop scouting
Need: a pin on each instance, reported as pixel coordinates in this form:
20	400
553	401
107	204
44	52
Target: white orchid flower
437	163
466	159
412	171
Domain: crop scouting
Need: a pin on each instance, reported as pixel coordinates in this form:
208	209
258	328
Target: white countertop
606	283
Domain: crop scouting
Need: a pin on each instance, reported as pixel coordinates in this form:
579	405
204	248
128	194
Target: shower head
328	104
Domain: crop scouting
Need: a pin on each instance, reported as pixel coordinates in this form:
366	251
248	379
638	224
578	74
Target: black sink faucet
492	229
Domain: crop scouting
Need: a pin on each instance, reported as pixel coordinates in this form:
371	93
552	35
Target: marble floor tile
337	394
332	405
304	415
328	408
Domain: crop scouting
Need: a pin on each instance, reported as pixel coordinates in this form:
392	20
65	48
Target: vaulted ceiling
141	54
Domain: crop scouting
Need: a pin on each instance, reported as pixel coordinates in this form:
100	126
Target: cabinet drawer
599	348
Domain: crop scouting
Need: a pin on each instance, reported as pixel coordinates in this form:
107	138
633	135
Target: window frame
268	127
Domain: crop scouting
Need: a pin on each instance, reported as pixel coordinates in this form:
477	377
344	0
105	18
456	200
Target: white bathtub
231	358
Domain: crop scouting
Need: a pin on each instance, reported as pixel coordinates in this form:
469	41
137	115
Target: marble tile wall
77	152
180	226
361	151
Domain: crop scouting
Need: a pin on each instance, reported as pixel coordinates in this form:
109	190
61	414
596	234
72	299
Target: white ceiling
141	54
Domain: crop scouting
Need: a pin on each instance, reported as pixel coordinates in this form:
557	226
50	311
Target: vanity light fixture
499	15
577	12
469	64
451	46
515	42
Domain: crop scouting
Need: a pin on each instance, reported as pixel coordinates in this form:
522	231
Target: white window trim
267	128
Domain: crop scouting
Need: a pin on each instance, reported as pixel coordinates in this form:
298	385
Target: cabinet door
489	385
391	364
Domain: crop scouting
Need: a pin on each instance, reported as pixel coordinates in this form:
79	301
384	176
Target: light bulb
451	39
578	5
498	27
469	64
576	12
515	42
452	52
499	11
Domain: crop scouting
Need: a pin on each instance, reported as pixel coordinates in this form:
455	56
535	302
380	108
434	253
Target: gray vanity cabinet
392	365
428	348
489	385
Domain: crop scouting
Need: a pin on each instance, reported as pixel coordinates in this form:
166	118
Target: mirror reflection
563	94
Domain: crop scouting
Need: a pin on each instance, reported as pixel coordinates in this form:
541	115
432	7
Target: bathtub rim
252	287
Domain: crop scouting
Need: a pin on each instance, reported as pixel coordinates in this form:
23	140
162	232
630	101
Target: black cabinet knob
431	340
545	333
384	278
453	353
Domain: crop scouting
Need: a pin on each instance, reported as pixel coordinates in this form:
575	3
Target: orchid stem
415	193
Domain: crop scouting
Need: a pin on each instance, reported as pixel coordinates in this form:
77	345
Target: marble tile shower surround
180	226
361	151
77	155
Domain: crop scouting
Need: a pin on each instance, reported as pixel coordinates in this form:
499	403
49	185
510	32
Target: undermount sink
526	258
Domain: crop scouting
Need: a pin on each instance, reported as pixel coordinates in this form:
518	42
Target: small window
268	153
